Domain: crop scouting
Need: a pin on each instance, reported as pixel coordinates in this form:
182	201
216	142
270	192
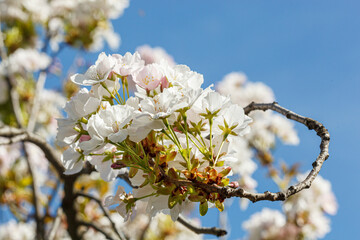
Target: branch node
314	164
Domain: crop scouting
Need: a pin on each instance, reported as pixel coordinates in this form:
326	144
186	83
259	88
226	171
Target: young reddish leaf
172	173
225	172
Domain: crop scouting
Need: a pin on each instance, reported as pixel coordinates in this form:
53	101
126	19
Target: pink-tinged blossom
149	77
155	55
97	73
129	64
84	138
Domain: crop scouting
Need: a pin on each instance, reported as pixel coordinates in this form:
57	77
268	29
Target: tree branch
125	176
52	232
36	102
202	230
12	135
68	206
40	86
228	192
103	209
87	224
40	231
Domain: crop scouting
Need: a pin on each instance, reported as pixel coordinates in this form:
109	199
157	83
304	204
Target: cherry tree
176	146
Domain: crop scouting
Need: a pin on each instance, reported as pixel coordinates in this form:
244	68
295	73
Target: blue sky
308	52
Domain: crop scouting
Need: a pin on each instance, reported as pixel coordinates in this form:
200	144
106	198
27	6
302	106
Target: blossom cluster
80	23
170	134
304	218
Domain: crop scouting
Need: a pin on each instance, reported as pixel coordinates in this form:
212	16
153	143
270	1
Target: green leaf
172	201
220	163
225	181
152	178
203	208
164	191
132	172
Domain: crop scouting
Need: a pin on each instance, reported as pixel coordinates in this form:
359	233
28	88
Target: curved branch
103	209
125	176
202	230
12	135
228	192
87	224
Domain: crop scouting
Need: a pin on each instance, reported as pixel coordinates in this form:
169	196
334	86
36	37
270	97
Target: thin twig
39	88
202	230
40	231
36	102
103	209
52	232
87	224
12	135
228	192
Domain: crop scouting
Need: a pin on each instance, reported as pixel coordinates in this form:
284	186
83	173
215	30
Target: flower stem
211	147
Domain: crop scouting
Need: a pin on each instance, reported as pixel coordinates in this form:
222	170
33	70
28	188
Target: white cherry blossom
182	76
72	159
129	64
118	199
107	123
82	104
235	118
163	105
265	224
97	73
